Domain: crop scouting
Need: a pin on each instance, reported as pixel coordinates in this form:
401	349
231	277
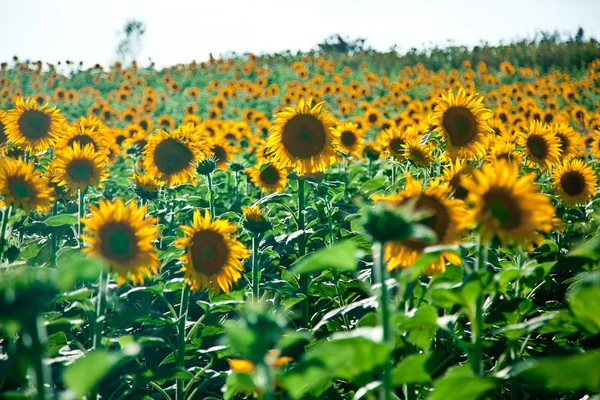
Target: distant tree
130	44
337	44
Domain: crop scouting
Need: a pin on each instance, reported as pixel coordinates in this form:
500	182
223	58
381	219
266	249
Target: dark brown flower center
172	156
80	169
82	140
34	124
573	183
270	175
438	219
503	208
460	125
304	136
348	138
538	147
20	189
118	242
209	252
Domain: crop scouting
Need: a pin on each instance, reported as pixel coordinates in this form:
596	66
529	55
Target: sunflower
172	157
462	120
372	151
22	186
575	182
506	150
351	139
506	205
84	136
453	177
3	138
78	167
420	154
372	117
302	138
212	254
541	146
122	236
446	218
145	186
165	122
269	176
222	150
34	127
393	141
570	141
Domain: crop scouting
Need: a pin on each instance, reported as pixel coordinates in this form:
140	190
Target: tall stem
183	311
302	250
477	320
54	238
384	315
81	213
3	227
100	316
43	377
211	196
255	267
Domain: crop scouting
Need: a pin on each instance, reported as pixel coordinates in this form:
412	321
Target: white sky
180	31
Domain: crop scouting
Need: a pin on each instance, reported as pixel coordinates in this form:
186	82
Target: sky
179	31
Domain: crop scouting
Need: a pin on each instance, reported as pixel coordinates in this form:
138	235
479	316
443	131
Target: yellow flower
79	167
542	147
122	236
269	177
22	186
575	182
212	254
351	139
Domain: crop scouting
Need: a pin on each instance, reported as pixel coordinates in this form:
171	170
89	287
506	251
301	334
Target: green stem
236	183
342	303
393	174
477	321
5	217
99	321
211	196
183	310
81	204
43	377
302	251
384	314
54	238
255	268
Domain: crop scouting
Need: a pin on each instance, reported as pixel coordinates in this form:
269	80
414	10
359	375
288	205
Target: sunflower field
299	227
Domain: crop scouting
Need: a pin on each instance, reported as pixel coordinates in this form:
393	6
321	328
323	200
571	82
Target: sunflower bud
207	165
254	220
236	166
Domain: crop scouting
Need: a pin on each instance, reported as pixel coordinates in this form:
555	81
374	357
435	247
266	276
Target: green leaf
584	302
74	266
373	184
460	384
87	372
422	326
340	257
61	220
413	369
561	373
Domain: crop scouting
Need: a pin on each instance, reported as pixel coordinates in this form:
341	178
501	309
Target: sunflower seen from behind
78	168
122	235
213	257
172	157
21	186
575	182
32	126
302	138
507	206
462	120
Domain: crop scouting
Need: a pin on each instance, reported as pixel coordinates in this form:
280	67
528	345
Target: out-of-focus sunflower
78	167
351	139
122	236
269	176
420	154
540	145
575	182
146	187
501	149
506	205
22	186
462	120
453	174
570	141
3	137
172	157
371	151
446	217
83	136
303	138
372	117
393	141
212	254
32	126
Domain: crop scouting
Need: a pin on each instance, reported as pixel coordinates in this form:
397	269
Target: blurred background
180	31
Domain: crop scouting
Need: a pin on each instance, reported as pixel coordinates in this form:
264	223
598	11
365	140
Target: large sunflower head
445	217
303	138
78	167
32	126
541	146
351	139
22	186
122	236
570	141
506	205
213	257
575	182
172	157
269	176
462	120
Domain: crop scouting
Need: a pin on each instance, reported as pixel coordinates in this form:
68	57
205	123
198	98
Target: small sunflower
503	150
254	220
212	254
303	138
506	205
269	177
420	154
145	186
33	127
575	182
172	157
392	141
122	236
541	146
462	120
570	141
453	177
78	167
221	149
22	186
351	139
446	218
